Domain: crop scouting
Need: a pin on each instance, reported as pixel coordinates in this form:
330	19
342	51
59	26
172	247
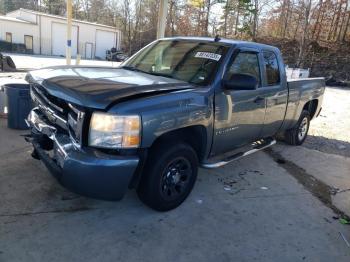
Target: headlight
114	131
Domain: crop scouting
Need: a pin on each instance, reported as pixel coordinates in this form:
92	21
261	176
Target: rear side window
271	68
245	63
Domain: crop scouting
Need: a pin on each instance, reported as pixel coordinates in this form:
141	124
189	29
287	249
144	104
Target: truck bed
300	92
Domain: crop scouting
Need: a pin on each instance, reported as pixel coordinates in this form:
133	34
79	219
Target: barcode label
208	55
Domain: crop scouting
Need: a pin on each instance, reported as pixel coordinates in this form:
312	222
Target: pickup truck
176	105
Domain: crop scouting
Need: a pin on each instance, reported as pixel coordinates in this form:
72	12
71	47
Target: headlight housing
114	131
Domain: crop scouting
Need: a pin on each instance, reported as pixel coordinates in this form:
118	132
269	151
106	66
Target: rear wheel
298	134
169	176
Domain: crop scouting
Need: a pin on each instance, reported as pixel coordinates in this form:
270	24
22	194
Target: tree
55	7
304	36
347	25
7	6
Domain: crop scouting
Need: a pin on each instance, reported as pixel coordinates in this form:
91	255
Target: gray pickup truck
177	104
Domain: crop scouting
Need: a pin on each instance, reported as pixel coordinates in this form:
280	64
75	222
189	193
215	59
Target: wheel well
311	106
195	136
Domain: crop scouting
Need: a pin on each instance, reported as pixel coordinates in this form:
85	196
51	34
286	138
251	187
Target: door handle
258	99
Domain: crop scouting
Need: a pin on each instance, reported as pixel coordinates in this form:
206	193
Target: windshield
191	61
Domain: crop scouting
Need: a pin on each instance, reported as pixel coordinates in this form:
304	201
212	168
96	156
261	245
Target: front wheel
169	177
298	134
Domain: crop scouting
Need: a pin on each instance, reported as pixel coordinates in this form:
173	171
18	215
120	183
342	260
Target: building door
8	37
28	42
88	50
105	40
59	39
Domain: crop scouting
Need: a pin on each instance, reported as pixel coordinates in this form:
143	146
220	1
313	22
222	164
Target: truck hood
99	87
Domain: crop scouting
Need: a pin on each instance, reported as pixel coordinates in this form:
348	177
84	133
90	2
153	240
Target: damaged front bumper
86	171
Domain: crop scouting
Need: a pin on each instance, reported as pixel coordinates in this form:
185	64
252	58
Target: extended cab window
271	68
245	63
191	61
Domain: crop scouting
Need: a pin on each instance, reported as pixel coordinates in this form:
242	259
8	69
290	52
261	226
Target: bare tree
346	27
304	35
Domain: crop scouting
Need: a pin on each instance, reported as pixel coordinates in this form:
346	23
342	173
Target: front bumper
86	171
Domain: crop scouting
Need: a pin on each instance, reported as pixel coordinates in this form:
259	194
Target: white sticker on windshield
208	55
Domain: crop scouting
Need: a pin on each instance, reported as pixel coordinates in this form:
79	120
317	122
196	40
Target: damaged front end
45	140
57	138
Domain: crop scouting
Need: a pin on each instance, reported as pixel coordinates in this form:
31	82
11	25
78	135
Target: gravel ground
329	132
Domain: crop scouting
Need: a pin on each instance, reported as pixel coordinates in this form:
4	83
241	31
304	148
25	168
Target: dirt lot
330	132
279	205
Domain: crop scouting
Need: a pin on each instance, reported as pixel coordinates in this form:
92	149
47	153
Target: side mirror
241	82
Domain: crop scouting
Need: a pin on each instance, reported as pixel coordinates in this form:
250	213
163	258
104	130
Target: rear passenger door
274	90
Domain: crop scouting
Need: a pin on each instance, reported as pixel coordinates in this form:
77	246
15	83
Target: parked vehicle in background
7	64
114	55
177	104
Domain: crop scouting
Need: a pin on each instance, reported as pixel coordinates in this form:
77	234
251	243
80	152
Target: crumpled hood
98	87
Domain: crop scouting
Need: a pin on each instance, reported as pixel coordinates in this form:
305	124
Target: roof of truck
227	41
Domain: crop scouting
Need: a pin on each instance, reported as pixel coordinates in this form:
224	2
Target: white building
46	34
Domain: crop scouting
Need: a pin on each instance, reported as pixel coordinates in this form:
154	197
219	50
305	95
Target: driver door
239	114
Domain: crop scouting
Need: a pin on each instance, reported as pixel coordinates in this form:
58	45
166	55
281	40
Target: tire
169	176
297	135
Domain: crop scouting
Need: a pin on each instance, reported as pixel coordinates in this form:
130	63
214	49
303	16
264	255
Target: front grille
67	117
75	122
57	104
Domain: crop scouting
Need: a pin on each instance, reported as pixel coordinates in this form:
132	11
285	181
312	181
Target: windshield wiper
132	68
160	74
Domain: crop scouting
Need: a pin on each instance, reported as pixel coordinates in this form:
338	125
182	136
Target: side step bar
259	146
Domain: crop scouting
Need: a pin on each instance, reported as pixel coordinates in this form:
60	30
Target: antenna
217	38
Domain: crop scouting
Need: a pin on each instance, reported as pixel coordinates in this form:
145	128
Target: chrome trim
62	148
72	122
41	126
62	142
74	109
249	152
47	100
48	112
27	123
74	142
75	127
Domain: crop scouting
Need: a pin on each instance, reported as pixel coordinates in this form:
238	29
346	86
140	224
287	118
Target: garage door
59	39
104	41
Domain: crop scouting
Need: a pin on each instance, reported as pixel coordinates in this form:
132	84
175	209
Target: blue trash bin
18	105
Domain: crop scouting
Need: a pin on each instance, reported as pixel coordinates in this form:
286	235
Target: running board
239	155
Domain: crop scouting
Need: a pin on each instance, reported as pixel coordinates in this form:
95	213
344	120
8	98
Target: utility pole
69	32
163	10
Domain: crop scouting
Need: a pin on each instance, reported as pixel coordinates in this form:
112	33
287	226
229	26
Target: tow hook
29	138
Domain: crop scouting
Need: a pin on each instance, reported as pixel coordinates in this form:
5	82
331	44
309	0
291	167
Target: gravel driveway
330	132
